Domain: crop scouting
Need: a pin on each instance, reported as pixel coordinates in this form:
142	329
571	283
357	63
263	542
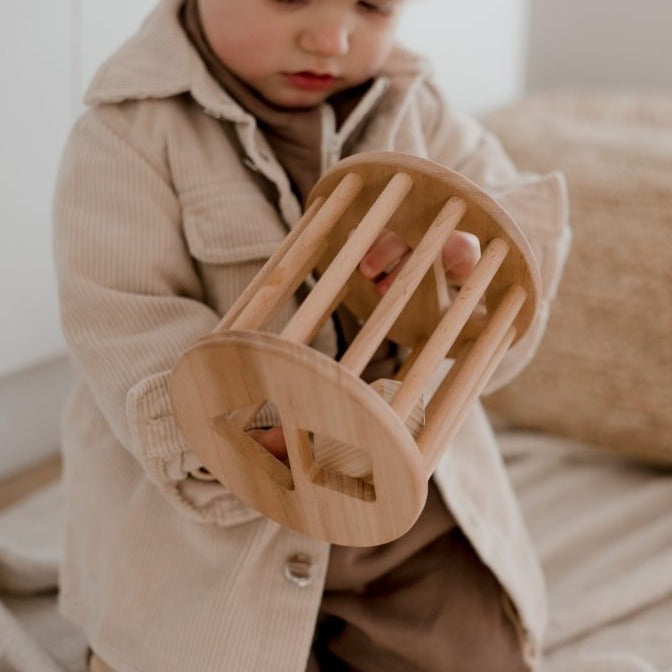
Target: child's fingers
460	255
386	279
388	254
272	439
383	255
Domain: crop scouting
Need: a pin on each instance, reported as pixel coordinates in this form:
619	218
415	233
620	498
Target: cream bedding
602	528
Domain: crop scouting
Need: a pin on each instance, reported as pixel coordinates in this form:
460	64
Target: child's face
297	53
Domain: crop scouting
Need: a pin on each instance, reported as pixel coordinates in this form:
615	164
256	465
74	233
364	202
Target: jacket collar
159	61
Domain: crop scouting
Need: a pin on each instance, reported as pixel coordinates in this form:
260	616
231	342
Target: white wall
478	47
35	71
50	49
600	43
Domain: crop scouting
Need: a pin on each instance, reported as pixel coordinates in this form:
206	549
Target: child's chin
293	100
299	103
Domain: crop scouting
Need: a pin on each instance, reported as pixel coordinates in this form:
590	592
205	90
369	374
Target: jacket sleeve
131	300
537	203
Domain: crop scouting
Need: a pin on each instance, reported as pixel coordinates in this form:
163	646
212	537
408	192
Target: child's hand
388	254
383	263
272	439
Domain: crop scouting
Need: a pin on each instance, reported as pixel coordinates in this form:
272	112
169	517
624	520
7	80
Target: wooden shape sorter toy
359	456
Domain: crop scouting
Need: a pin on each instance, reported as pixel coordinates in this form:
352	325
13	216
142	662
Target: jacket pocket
231	225
230	235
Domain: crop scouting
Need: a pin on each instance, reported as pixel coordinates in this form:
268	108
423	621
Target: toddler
205	133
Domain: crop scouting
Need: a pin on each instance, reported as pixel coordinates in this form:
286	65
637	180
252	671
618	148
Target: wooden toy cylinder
358	456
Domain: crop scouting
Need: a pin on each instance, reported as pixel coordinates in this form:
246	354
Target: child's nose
330	37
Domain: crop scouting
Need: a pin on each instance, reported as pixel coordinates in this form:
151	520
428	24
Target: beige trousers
422	603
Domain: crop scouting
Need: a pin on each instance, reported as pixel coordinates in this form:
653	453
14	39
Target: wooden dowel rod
410	360
441	282
330	285
432	456
289	272
327	311
397	296
449	398
446	332
480	383
260	278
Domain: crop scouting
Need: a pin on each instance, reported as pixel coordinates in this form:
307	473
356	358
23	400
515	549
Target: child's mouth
310	81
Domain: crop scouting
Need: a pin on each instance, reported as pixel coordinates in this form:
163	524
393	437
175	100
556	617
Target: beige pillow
603	372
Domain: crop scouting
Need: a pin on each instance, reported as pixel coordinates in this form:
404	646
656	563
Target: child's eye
384	8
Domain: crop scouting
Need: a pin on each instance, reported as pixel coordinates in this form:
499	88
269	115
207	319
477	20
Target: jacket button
299	569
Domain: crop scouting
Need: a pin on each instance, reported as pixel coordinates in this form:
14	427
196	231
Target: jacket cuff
158	444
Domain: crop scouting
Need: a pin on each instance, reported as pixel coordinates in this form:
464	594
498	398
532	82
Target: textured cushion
603	372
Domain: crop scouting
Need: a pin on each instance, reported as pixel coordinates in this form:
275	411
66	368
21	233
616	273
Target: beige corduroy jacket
168	202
